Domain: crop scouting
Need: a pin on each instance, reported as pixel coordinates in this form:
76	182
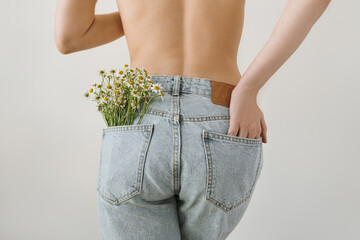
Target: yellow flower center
91	90
131	82
109	86
156	88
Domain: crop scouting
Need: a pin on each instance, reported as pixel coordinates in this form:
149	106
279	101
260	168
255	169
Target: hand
246	118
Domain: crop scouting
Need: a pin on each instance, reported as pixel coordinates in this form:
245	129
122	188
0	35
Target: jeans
177	175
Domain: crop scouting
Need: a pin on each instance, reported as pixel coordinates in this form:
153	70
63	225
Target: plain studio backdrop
50	134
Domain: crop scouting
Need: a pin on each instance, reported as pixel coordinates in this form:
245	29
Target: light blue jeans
177	175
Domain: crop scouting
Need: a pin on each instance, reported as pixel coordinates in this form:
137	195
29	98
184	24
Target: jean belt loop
176	85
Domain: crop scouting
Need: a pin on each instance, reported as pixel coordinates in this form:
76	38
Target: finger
233	129
258	135
243	132
255	132
263	130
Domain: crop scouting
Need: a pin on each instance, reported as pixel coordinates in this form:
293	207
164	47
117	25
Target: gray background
50	134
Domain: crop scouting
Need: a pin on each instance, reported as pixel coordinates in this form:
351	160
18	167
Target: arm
78	28
295	23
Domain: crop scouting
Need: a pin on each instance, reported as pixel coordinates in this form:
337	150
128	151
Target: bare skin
192	38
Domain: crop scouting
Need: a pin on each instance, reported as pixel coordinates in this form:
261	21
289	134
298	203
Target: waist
221	67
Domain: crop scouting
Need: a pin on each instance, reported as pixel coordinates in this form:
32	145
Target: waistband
219	92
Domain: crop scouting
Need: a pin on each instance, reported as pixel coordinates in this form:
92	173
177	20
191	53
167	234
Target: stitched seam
142	159
210	168
176	154
160	113
127	128
178	158
119	200
174	160
231	138
207	164
184	118
208	118
196	93
175	97
174	149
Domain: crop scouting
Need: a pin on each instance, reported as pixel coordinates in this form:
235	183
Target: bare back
191	38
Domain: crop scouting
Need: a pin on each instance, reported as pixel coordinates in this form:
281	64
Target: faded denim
177	175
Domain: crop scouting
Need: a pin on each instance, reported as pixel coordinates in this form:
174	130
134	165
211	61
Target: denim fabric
177	175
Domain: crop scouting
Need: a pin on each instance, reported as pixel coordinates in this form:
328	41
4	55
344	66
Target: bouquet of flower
124	94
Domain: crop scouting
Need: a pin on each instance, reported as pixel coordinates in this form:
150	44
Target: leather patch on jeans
221	93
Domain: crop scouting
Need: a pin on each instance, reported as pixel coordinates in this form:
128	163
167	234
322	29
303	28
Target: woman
189	170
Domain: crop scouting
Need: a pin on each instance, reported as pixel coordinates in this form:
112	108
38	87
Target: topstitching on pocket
233	167
122	158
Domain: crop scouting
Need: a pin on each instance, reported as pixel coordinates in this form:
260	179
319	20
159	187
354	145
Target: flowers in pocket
124	94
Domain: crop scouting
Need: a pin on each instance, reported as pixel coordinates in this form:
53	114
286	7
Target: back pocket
122	158
233	167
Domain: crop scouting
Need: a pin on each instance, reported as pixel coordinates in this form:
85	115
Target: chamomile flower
101	72
134	105
134	92
156	88
122	90
130	84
